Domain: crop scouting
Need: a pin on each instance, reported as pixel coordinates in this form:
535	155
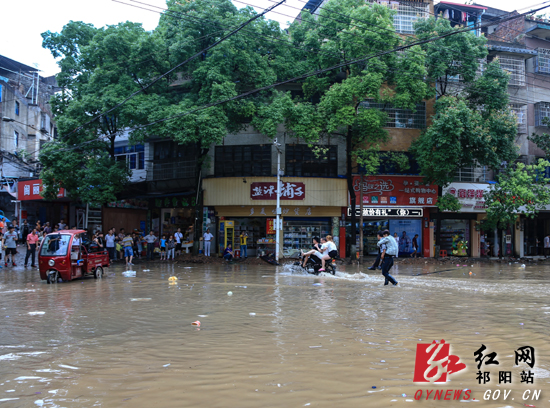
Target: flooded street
281	339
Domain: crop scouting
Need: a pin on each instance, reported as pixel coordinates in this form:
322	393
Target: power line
295	79
267	37
317	72
236	30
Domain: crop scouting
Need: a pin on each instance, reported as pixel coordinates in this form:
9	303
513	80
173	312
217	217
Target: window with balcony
516	67
133	156
400	118
472	174
172	161
243	161
521	114
304	161
542	111
542	62
407	14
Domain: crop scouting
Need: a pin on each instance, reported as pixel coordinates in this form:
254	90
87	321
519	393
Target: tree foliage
392	79
452	57
542	141
100	67
521	189
476	128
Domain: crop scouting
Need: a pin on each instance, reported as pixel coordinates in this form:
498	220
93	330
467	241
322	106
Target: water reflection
283	338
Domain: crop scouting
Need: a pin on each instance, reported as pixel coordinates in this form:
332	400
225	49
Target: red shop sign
268	191
31	189
270	226
387	190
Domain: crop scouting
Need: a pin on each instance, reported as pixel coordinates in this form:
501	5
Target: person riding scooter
315	251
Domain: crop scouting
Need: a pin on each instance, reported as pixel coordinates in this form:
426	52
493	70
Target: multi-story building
394	199
25	126
521	46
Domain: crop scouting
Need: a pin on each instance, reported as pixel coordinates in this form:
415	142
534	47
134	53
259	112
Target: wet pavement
282	338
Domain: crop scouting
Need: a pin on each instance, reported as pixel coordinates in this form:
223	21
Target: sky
24	20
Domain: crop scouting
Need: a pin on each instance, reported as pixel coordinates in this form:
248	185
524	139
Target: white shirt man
207	237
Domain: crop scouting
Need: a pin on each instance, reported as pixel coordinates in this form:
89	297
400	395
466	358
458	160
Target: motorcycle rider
317	251
329	251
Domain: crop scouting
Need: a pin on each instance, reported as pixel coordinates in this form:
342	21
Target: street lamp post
278	209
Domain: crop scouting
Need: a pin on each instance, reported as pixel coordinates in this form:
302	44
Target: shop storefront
461	233
400	204
310	207
533	231
172	212
33	207
129	214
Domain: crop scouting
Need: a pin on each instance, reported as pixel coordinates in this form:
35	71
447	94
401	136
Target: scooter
313	265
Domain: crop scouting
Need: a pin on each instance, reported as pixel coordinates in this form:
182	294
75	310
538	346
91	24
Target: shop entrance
404	230
454	236
174	218
298	233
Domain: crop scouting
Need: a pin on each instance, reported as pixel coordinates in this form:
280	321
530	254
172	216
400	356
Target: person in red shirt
32	240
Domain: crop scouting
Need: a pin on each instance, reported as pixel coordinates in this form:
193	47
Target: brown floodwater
282	339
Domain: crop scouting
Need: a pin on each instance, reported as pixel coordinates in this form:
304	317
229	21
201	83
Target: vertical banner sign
270	226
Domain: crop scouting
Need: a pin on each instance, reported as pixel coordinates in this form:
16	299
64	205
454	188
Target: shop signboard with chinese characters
270	226
470	195
270	211
395	191
268	191
31	189
388	212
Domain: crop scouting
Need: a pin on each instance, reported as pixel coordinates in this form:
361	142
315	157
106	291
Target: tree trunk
197	224
349	177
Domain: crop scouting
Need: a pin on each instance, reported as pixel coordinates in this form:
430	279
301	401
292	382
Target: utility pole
278	223
360	257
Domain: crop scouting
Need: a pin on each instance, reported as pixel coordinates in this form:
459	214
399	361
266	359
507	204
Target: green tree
521	189
100	67
542	141
476	128
393	79
450	58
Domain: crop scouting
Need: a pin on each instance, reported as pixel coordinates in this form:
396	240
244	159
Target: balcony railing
171	170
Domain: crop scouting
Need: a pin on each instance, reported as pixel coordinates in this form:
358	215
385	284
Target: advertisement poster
406	230
393	190
270	229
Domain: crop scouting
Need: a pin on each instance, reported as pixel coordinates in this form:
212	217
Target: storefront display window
455	237
255	228
175	218
298	234
406	231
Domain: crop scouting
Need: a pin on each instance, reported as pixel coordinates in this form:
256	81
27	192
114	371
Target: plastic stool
442	253
237	253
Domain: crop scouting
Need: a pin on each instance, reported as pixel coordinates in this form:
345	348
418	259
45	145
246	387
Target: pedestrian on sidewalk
376	263
179	238
387	256
128	243
171	247
163	248
10	243
31	240
547	244
244	237
1	245
110	244
207	237
150	239
24	231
